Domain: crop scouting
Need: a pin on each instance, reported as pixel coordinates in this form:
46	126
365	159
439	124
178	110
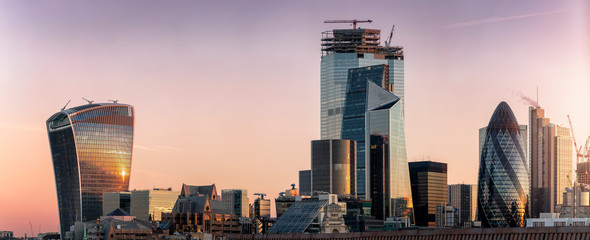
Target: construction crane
261	195
388	41
31	224
354	22
578	150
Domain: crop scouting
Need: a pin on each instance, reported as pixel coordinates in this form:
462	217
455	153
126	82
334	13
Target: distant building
429	190
446	216
148	205
554	220
261	207
551	162
199	210
305	182
503	181
464	198
285	200
583	170
114	200
333	166
576	203
6	235
389	180
236	201
113	226
91	145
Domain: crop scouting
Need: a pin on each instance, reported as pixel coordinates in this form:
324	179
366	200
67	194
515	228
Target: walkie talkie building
91	147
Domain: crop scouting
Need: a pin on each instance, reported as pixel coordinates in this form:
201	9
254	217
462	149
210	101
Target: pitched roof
299	216
118	212
207	190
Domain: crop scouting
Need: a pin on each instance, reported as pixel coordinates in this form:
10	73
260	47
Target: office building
503	181
386	158
353	119
446	216
320	213
148	205
523	131
551	162
305	182
116	200
333	166
91	147
464	198
345	49
262	207
236	201
429	190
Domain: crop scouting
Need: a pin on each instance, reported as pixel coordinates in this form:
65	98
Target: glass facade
386	157
464	198
333	166
236	201
149	205
342	50
353	120
503	182
429	190
91	148
305	182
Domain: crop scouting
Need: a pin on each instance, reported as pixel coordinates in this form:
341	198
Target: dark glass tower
91	148
333	168
503	182
353	119
429	190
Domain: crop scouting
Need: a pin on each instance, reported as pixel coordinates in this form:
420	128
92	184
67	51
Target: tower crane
354	22
388	41
578	150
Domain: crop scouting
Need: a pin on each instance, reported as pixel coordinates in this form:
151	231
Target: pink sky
228	92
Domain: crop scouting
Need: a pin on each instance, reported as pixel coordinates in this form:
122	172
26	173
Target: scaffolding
358	41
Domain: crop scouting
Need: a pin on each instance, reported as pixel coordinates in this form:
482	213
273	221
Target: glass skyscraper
333	166
503	181
386	157
91	147
342	50
353	120
429	190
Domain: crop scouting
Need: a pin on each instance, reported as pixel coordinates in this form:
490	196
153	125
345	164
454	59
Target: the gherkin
503	182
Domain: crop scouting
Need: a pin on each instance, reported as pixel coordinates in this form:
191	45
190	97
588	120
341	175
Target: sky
228	92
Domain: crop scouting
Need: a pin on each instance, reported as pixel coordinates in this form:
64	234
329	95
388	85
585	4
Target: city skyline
189	94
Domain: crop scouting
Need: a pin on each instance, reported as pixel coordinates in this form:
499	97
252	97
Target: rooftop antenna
89	102
114	101
63	108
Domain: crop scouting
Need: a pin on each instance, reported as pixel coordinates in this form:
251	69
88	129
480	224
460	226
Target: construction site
359	40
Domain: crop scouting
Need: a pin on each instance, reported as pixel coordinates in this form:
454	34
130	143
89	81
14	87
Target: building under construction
359	41
342	51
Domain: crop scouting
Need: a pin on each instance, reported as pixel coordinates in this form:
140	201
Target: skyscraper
91	147
353	120
236	201
342	50
333	166
386	157
503	181
551	162
429	190
464	198
523	131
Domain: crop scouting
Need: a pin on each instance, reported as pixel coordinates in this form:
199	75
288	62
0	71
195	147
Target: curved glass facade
91	148
503	182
